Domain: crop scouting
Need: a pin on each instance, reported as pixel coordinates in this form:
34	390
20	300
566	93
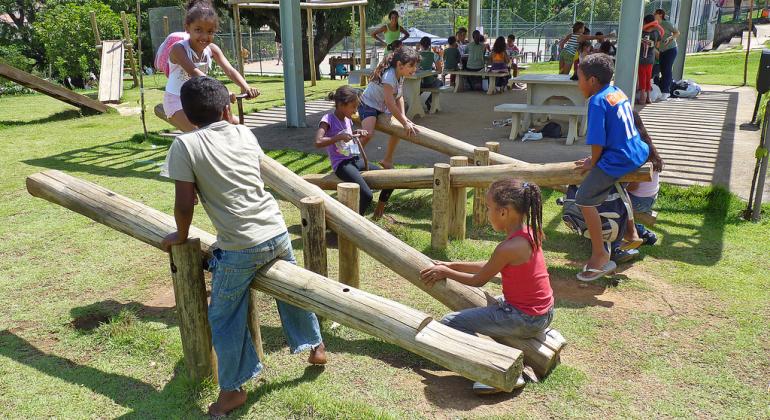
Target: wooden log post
480	158
363	34
311	46
254	325
238	41
95	28
493	146
458	197
348	194
130	217
314	234
130	47
166	30
474	357
439	232
190	295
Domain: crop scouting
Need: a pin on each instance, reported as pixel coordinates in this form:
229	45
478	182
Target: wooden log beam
314	235
490	362
150	226
399	257
441	207
434	140
542	174
471	356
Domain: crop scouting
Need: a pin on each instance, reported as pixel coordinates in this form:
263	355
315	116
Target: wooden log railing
542	174
473	357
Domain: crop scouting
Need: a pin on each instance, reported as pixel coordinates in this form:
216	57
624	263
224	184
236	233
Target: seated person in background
500	62
607	47
340	70
452	58
513	52
429	60
476	50
395	45
644	194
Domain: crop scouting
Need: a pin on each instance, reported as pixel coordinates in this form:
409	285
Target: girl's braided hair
403	55
200	9
524	198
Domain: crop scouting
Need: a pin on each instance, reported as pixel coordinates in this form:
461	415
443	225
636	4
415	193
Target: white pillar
474	12
293	82
685	13
629	38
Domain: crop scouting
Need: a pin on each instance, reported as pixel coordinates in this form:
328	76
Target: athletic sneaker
531	136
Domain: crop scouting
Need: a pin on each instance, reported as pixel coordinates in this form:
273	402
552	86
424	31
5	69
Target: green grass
711	68
680	333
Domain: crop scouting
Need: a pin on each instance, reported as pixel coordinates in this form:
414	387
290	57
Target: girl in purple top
345	149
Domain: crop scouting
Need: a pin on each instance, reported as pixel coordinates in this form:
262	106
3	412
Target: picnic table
541	87
412	92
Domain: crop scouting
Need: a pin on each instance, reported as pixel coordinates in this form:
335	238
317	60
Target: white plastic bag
656	94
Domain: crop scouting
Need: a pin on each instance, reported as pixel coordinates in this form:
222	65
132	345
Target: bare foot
386	164
317	355
227	401
599	261
378	211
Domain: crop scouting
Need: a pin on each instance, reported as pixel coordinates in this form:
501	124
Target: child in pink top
526	307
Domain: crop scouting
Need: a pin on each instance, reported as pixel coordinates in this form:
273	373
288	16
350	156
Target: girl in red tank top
526	307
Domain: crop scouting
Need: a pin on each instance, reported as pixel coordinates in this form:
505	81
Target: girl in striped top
569	46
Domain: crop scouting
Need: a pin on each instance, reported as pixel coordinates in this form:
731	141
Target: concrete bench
516	110
492	75
435	94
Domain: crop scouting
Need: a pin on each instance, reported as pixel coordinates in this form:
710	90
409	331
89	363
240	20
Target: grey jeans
499	319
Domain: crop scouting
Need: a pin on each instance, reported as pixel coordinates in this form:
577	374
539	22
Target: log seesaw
541	353
474	357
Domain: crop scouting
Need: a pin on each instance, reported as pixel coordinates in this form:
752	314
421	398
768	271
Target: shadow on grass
142	398
59	116
86	319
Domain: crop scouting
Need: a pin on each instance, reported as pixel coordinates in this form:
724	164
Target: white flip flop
596	273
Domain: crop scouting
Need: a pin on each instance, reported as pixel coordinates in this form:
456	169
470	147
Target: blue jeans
667	69
499	319
232	273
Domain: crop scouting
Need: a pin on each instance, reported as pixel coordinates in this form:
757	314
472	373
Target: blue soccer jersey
611	126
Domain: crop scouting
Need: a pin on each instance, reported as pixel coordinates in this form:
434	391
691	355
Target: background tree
65	29
23	13
331	26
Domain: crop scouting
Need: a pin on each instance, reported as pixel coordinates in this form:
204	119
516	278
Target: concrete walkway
705	140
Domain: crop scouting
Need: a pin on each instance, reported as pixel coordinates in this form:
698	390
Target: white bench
492	75
435	94
516	110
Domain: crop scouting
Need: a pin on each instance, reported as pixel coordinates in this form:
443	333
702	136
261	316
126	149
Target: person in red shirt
526	307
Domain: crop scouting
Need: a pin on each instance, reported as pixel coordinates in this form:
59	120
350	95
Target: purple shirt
340	151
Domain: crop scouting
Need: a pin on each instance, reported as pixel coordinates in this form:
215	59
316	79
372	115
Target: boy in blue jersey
616	150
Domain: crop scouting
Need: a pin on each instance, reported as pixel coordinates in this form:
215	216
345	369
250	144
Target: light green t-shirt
475	56
668	29
222	160
391	36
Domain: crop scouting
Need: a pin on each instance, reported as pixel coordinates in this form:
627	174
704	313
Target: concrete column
685	13
629	38
293	82
474	13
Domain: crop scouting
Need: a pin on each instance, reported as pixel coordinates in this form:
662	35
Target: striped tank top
572	44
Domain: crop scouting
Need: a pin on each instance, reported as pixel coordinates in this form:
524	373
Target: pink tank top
527	286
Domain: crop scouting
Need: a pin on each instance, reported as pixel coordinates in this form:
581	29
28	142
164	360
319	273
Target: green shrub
13	55
66	32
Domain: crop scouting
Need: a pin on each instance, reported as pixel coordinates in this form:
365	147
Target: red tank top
527	286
